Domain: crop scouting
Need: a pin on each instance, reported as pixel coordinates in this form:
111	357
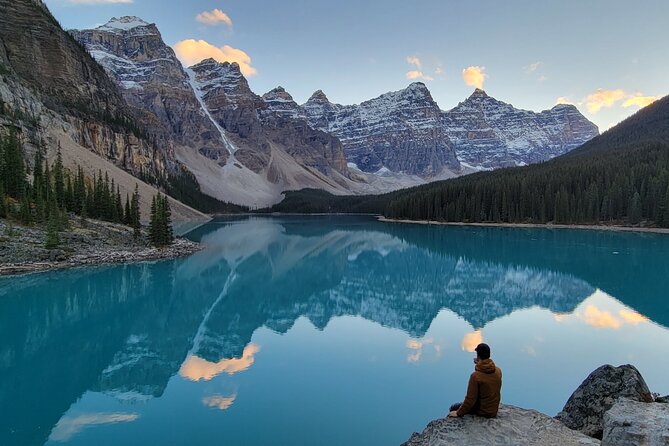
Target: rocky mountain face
257	125
405	131
489	134
211	114
399	131
153	81
52	90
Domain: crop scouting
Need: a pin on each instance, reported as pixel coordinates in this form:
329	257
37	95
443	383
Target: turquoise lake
323	330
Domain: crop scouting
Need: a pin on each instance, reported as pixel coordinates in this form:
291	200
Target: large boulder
662	399
586	407
631	422
513	426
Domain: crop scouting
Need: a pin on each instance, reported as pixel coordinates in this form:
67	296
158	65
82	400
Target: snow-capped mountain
399	131
153	81
248	149
237	152
488	133
259	134
406	131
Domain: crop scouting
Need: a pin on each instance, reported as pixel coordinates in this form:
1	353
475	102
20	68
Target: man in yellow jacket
483	391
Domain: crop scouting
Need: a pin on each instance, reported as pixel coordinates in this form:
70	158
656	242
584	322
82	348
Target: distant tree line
625	186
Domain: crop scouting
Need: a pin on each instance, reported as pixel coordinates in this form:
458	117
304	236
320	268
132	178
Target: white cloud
213	17
474	76
191	51
415	61
531	68
68	426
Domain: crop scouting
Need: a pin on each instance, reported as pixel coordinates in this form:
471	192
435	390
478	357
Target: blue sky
606	56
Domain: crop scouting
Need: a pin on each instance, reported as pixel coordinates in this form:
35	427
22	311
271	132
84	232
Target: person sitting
483	391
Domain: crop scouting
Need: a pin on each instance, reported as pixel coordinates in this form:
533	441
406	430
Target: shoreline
180	248
531	226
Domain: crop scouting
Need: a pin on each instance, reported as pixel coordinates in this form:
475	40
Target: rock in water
662	399
632	422
513	426
585	408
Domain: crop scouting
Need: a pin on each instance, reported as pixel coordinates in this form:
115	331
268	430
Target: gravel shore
91	243
530	225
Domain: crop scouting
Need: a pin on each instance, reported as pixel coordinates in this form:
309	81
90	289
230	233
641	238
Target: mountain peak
318	96
415	90
124	23
479	93
278	94
564	107
212	64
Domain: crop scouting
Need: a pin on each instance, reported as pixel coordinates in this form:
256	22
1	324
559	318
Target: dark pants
455	406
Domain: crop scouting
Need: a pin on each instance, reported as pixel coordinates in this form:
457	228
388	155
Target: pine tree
79	189
665	220
119	206
635	209
46	183
25	212
59	179
38	173
3	201
127	213
135	217
160	224
167	221
14	171
153	223
52	238
69	195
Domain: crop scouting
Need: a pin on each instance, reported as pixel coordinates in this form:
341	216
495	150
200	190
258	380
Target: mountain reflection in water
126	331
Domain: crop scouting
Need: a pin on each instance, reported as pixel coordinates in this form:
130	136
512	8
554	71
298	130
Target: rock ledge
513	426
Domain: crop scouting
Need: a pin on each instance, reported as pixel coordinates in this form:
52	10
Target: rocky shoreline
612	407
84	244
533	225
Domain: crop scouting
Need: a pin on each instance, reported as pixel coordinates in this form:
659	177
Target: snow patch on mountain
197	89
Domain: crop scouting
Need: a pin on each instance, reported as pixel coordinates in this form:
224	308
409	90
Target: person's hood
485	366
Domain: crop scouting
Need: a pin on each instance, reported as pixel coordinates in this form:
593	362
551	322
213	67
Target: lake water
323	330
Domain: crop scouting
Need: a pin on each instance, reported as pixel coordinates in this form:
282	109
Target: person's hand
453	414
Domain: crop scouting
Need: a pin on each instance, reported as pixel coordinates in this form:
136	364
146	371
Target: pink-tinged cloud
639	101
417	74
603	98
474	76
213	18
219	401
193	51
471	340
196	368
597	318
